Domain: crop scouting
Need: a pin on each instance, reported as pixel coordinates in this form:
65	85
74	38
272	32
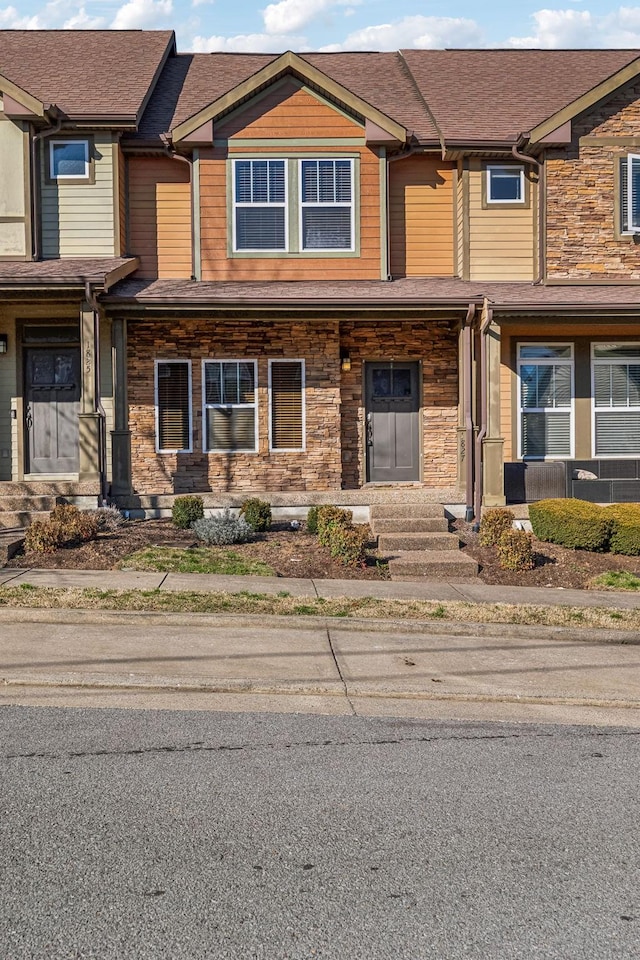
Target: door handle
369	431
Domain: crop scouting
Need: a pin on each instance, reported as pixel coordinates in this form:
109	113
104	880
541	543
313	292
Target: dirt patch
291	553
555	566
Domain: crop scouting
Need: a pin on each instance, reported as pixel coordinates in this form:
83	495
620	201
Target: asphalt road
154	834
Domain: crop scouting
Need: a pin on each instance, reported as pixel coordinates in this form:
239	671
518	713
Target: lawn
195	560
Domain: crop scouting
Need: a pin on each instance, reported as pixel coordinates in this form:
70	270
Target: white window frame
334	204
511	168
157	363
69	176
546	361
212	406
601	361
284	205
627	213
303	393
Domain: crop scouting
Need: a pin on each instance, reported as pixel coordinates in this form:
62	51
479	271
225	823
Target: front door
52	405
393	421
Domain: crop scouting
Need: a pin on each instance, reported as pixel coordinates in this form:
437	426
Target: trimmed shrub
495	521
42	536
222	530
625	528
186	510
312	520
66	527
571	523
329	517
515	550
348	544
257	513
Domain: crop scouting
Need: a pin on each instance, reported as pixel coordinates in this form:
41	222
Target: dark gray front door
393	421
52	405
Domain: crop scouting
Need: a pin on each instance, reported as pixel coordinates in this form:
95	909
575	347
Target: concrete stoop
22	501
416	540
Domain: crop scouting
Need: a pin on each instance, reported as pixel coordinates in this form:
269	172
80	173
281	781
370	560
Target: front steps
22	501
415	537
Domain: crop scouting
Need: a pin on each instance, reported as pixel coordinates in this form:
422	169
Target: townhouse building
248	272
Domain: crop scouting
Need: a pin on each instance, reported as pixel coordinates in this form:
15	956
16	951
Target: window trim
351	205
284	205
88	177
520	409
157	363
595	361
210	406
490	203
303	397
622	179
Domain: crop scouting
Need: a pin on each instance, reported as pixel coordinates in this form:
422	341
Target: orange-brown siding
421	217
160	217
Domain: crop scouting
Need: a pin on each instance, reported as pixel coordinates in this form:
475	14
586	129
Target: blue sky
239	25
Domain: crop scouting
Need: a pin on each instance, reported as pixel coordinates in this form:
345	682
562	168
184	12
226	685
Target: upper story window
505	183
545	376
69	160
260	205
630	194
326	204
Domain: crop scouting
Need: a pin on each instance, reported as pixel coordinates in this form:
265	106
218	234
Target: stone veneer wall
433	343
316	468
581	200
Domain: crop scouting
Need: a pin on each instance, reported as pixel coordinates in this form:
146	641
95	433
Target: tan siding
216	265
287	111
460	245
160	217
507	414
106	385
13	237
122	192
421	217
78	218
501	240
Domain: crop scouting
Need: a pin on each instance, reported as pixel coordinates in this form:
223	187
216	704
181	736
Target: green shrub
515	550
329	517
348	544
625	528
257	513
222	529
66	527
186	510
495	521
312	520
571	523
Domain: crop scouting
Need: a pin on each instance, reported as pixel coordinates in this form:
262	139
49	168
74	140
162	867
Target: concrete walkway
472	592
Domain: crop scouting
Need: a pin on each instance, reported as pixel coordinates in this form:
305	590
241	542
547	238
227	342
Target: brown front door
393	421
52	405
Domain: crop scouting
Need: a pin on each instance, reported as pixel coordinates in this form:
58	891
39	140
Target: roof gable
16	101
289	64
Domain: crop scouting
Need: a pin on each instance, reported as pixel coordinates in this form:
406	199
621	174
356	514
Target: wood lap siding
421	217
501	239
160	217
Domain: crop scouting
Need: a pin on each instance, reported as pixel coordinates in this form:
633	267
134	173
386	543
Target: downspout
91	299
468	413
174	155
485	322
35	184
525	158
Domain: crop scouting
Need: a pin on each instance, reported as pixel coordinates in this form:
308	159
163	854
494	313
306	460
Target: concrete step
389	542
410	525
389	511
21	518
26	503
48	488
10	542
432	565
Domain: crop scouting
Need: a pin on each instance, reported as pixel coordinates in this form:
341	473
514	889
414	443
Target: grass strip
283	604
616	580
195	560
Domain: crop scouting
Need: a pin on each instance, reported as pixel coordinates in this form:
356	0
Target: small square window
69	159
505	184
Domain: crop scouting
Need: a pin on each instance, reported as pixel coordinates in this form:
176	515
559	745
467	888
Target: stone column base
493	473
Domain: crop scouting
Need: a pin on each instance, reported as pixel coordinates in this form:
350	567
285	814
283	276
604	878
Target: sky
330	25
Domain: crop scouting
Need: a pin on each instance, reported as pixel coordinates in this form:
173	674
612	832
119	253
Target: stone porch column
121	434
493	443
89	418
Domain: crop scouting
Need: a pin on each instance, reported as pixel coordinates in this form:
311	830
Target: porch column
89	418
493	443
121	434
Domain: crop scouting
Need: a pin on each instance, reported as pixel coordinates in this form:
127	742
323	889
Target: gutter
35	184
525	158
91	299
467	344
485	322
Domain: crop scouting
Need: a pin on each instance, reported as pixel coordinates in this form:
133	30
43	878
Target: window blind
173	406
624	195
230	406
287	405
260	204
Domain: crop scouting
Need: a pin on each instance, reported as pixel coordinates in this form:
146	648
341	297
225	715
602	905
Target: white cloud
201	3
555	29
10	19
418	31
82	21
248	43
289	15
137	14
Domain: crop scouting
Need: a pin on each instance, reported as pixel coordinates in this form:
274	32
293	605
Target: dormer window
69	160
630	193
505	184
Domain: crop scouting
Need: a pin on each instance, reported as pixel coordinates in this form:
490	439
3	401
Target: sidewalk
471	592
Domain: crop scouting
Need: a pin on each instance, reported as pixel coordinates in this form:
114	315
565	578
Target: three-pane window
230	415
545	376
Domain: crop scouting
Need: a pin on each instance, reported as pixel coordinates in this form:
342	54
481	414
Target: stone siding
434	344
581	195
